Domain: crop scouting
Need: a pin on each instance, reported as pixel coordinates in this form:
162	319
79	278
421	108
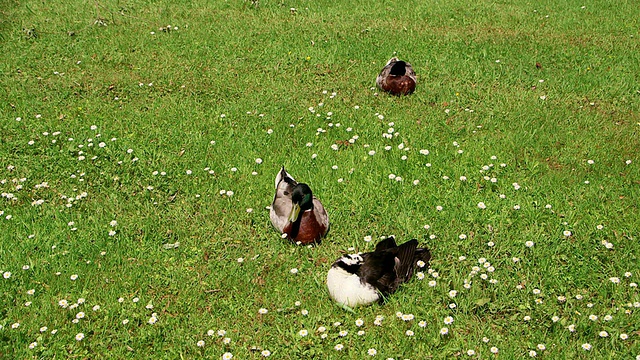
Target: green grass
263	67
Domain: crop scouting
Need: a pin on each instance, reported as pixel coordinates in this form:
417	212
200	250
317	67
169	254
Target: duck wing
387	243
384	74
405	261
282	203
377	269
321	215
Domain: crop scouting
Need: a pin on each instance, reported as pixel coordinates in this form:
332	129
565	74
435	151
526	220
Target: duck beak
295	212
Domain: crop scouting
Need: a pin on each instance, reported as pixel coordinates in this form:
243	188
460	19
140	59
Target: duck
296	212
366	278
397	78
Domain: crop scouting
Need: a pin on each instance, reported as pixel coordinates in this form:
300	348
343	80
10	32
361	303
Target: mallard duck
364	278
296	212
397	77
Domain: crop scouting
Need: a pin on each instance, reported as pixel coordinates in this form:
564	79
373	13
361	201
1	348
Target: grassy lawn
139	142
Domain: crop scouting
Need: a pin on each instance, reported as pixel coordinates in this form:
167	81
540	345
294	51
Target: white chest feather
346	288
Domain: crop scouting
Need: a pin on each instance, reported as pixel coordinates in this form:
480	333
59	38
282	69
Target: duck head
399	68
302	199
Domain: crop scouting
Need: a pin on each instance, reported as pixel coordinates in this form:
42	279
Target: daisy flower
407	317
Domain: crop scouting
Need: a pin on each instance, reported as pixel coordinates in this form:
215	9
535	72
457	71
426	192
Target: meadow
139	142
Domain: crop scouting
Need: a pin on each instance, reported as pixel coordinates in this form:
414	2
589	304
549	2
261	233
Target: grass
147	224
